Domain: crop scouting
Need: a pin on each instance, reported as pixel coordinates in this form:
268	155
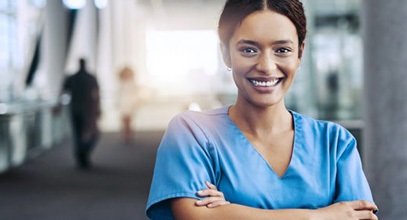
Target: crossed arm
214	206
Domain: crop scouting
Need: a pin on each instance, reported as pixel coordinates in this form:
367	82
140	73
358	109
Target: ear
226	55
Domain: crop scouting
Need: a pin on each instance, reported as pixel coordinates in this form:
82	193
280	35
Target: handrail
27	129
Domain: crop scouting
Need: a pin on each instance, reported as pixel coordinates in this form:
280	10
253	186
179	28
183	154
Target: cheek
241	65
290	70
290	67
240	69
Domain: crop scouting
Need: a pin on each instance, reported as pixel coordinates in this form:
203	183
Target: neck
261	120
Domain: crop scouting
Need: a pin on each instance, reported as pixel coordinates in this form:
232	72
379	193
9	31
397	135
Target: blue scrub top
208	146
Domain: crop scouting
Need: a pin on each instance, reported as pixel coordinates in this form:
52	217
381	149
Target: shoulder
69	77
199	125
72	78
200	119
90	78
320	126
333	136
190	133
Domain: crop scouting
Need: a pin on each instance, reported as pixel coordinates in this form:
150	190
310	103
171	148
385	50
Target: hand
56	110
213	197
354	210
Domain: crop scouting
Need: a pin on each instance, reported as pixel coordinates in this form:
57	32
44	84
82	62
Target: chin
266	104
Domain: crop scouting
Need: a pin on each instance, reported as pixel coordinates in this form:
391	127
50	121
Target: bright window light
101	4
39	3
74	4
182	61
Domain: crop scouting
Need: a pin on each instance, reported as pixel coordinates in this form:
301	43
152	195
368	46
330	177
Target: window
7	36
19	28
182	62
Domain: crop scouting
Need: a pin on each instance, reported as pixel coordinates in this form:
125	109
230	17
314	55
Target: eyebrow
243	41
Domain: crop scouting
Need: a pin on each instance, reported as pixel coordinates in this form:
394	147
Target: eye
248	51
283	50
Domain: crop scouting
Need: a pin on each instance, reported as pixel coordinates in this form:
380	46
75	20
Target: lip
255	81
265	78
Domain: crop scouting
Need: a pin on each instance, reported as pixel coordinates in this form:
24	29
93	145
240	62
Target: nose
266	64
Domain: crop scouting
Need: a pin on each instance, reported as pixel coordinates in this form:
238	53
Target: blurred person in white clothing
128	102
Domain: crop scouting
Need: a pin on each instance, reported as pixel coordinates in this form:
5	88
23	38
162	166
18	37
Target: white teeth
265	83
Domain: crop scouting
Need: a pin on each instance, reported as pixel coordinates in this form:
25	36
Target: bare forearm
234	211
213	205
186	209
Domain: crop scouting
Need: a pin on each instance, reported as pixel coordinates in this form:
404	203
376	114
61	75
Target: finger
210	192
363	205
210	185
365	214
200	203
208	200
217	203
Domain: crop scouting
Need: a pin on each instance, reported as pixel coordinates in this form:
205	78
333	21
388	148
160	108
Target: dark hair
82	62
235	11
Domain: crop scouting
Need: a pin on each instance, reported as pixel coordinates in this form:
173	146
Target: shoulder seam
197	125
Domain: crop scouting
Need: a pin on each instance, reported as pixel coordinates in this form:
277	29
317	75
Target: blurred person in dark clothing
85	111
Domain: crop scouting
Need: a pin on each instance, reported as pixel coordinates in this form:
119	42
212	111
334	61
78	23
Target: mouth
270	82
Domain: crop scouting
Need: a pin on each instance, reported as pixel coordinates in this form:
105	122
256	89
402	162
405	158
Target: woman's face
264	55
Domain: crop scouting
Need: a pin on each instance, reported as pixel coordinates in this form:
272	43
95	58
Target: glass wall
7	40
328	85
336	58
20	25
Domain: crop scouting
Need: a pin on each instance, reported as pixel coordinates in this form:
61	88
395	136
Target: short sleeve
183	164
351	182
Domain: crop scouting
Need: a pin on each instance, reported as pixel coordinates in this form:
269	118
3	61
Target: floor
51	187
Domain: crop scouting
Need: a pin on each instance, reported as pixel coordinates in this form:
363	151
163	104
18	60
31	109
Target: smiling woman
256	159
263	53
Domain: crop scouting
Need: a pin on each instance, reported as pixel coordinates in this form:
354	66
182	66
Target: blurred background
173	48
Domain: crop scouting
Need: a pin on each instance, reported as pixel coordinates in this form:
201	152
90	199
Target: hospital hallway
154	59
50	187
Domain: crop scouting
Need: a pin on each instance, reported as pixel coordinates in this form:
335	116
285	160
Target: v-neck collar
249	144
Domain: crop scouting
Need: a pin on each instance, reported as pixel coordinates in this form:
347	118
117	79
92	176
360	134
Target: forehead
266	26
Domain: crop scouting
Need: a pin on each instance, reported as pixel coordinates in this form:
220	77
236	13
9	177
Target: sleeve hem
170	196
